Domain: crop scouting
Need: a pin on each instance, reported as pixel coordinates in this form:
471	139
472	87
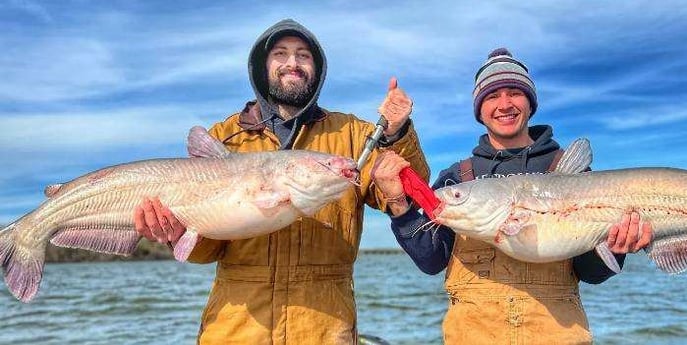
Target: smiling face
506	112
291	72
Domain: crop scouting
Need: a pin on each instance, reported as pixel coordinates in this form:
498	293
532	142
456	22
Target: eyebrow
279	46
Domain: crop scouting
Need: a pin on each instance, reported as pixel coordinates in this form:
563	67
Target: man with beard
294	286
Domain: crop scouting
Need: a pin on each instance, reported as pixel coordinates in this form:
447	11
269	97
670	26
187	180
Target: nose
504	102
290	60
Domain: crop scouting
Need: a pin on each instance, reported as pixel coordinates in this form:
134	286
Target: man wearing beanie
493	298
295	285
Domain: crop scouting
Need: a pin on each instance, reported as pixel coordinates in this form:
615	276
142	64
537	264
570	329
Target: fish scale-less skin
568	215
199	198
236	196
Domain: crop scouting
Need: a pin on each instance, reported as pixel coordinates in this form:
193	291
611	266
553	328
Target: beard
296	94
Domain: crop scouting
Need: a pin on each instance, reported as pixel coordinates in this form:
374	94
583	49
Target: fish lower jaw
486	235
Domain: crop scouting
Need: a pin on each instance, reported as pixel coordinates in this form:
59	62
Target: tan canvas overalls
295	286
495	299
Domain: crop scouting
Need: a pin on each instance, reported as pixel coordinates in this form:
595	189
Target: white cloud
634	119
112	84
97	130
57	69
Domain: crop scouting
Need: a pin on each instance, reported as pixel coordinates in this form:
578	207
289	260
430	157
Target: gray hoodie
285	130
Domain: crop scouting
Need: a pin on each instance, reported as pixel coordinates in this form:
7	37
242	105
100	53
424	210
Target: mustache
298	70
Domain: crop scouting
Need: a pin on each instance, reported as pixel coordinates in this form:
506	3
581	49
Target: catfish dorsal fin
201	144
577	157
52	189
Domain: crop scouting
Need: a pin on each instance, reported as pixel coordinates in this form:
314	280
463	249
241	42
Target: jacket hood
258	57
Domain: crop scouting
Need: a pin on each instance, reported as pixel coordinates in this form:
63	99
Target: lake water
160	302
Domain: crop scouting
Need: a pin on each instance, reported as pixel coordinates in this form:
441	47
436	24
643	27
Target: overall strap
466	173
556	159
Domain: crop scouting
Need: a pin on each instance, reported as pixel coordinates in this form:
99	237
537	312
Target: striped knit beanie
502	70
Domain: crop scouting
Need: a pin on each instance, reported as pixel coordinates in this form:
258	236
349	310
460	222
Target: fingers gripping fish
216	194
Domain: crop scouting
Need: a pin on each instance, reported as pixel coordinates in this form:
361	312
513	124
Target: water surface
160	302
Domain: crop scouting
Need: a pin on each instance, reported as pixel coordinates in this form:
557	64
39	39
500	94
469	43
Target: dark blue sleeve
590	269
430	250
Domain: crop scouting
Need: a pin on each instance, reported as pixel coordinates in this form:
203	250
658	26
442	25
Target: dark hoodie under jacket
431	251
285	130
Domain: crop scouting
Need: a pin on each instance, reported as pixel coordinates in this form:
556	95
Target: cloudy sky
88	84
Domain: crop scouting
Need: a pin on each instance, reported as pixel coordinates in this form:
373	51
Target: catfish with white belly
551	217
216	194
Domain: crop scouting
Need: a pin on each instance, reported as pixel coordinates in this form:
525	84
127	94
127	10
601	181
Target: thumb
393	83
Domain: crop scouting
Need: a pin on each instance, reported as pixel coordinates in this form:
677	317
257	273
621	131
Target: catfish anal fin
669	253
102	240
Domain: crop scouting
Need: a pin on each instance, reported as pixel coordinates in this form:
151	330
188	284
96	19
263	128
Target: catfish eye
455	195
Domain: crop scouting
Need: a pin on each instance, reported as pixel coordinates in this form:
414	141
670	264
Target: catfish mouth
351	174
347	171
438	211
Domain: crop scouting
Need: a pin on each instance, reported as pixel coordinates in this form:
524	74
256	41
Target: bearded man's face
291	72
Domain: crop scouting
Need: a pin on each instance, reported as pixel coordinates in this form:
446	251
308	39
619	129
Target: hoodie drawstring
494	163
525	156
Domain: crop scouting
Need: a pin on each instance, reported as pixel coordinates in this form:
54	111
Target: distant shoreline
146	251
149	251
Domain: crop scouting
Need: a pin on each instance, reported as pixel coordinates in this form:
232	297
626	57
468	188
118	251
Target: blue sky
88	84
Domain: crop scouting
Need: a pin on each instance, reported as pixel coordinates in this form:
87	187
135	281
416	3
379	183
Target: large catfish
216	194
550	217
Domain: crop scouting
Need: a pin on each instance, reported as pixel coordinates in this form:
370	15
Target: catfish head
314	179
476	208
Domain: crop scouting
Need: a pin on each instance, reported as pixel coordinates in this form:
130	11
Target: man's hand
156	222
626	236
395	108
384	173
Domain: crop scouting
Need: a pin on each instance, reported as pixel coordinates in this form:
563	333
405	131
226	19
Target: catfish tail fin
23	268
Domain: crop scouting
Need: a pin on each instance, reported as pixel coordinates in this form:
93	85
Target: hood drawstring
494	162
525	156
